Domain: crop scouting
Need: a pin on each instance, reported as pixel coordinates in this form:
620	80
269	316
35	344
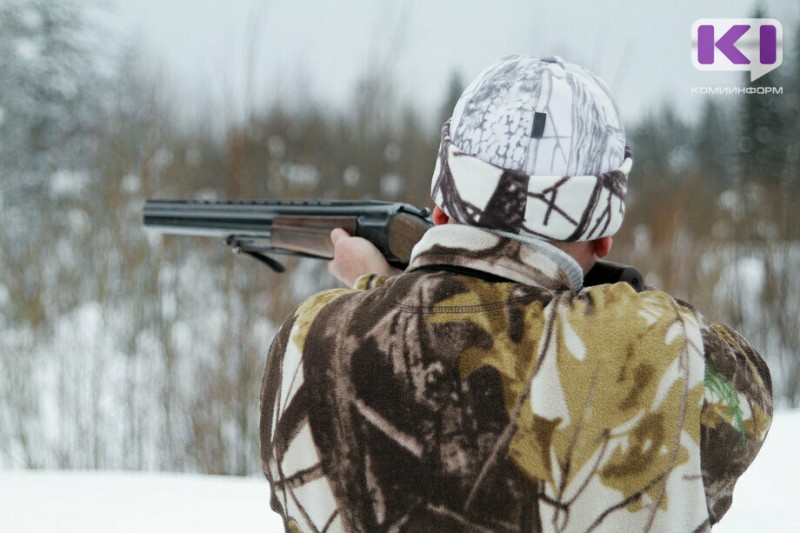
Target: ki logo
754	45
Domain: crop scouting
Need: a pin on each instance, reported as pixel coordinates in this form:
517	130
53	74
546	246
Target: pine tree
49	97
454	89
791	175
660	145
50	94
714	146
762	142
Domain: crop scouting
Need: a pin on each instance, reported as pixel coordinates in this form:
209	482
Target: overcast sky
235	54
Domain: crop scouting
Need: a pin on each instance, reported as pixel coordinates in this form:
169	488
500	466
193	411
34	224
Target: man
484	389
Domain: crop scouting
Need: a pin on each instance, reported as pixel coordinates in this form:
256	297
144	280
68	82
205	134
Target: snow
68	183
765	498
87	502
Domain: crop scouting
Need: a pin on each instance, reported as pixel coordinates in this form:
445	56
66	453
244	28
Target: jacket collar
528	261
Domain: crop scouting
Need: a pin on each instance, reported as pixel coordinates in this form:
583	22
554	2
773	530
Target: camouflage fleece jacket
478	391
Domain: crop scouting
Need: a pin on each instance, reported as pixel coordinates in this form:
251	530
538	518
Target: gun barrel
209	219
253	218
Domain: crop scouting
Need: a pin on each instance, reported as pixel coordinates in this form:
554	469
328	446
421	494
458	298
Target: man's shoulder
621	298
616	314
312	305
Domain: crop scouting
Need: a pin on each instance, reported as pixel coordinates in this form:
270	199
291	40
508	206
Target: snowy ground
765	499
111	502
766	496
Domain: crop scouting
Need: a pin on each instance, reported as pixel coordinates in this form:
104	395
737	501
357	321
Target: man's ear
439	216
602	246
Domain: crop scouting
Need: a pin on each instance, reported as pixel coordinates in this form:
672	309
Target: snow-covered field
765	499
111	502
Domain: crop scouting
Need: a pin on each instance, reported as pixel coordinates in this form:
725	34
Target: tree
49	103
454	89
715	146
762	143
791	175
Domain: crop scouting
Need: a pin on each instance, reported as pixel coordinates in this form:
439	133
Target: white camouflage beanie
535	147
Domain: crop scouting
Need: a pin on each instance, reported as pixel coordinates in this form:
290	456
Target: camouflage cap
536	147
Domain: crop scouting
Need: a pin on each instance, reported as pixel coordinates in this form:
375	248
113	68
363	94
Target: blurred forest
121	349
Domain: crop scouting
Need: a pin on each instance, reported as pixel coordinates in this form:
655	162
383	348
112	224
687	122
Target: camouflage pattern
479	392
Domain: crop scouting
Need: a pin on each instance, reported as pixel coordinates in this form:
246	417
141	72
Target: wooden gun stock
405	231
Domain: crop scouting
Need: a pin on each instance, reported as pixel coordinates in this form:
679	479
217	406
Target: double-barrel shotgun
264	228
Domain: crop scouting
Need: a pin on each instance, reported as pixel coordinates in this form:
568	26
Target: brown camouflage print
445	400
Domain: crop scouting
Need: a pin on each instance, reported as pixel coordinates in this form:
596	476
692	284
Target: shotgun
262	228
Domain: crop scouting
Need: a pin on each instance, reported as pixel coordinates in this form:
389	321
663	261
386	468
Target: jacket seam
446	309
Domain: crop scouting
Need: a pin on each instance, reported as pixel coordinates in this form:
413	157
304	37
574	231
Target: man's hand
356	256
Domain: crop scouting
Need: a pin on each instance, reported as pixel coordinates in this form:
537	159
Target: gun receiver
258	228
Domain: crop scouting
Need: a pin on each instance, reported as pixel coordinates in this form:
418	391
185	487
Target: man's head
534	147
